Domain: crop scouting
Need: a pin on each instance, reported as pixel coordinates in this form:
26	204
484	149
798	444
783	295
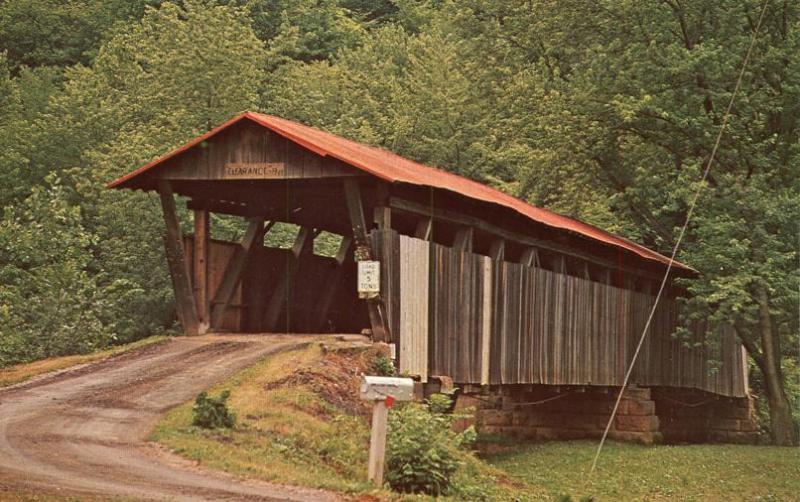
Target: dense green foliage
605	111
211	412
422	450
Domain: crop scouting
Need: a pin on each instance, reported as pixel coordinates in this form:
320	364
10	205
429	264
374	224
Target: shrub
212	412
422	453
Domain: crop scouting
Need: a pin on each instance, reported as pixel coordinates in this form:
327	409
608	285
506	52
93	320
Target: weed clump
212	412
382	366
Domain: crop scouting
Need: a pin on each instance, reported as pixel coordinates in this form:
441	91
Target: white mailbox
377	388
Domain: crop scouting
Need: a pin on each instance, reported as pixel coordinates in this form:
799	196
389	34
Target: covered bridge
475	285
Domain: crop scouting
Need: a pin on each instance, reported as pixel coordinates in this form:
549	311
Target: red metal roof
394	168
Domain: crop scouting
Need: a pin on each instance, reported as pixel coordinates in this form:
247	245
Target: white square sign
369	279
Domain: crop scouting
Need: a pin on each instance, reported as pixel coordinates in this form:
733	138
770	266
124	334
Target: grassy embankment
300	423
21	372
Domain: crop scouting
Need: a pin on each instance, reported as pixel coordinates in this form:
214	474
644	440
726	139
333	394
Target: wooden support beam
302	243
463	240
344	248
530	257
560	264
266	230
223	207
417	209
200	267
363	251
355	210
424	229
271	213
233	271
497	251
382	214
176	260
332	284
303	240
383	217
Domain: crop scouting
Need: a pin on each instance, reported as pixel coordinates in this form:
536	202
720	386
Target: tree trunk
780	412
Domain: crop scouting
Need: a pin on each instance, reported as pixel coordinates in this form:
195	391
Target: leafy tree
22	100
57	32
153	85
51	303
630	96
305	30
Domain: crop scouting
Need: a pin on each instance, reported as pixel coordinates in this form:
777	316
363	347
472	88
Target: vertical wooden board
539	318
558	328
585	328
639	320
509	322
439	313
486	317
312	164
526	324
386	244
548	309
219	254
580	314
394	250
476	319
414	290
514	322
463	312
495	367
438	343
571	370
605	337
253	290
625	334
447	312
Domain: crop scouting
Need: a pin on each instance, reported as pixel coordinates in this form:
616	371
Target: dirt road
81	432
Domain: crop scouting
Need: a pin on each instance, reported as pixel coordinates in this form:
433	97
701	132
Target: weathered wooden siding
249	151
413	313
543	327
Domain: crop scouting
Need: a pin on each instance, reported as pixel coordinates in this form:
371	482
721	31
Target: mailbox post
383	392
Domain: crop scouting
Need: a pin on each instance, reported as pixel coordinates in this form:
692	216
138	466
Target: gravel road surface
80	432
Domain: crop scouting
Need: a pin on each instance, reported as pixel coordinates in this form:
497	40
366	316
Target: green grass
290	434
21	372
633	472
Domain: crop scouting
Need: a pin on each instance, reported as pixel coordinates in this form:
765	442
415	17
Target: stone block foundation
644	416
689	416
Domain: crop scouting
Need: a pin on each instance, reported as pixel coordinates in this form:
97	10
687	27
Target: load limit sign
369	279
